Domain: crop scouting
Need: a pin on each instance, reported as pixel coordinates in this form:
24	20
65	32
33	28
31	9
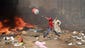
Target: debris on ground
40	44
76	38
67	39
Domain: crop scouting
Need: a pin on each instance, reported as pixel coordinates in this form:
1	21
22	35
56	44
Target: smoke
8	10
70	12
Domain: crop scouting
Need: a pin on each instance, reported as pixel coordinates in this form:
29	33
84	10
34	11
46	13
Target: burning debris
19	25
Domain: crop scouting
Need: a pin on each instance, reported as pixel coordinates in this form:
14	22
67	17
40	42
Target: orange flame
19	24
3	29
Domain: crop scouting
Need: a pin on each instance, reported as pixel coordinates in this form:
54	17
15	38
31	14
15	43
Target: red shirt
50	22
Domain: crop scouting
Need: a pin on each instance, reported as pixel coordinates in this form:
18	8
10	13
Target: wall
70	12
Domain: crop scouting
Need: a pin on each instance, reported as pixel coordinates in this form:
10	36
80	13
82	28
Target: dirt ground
50	43
30	38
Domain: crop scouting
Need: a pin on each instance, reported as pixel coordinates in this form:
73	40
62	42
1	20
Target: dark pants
56	33
49	30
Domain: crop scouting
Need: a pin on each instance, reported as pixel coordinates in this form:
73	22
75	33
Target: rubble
77	38
40	44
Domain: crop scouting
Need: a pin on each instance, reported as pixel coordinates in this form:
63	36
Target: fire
3	29
19	25
1	25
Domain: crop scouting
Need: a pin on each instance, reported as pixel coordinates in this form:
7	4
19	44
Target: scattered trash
70	43
21	43
12	38
40	44
83	40
16	44
79	43
75	32
6	40
78	38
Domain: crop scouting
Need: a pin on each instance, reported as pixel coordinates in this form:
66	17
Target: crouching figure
56	24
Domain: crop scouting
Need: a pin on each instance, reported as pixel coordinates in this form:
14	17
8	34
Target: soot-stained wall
70	12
